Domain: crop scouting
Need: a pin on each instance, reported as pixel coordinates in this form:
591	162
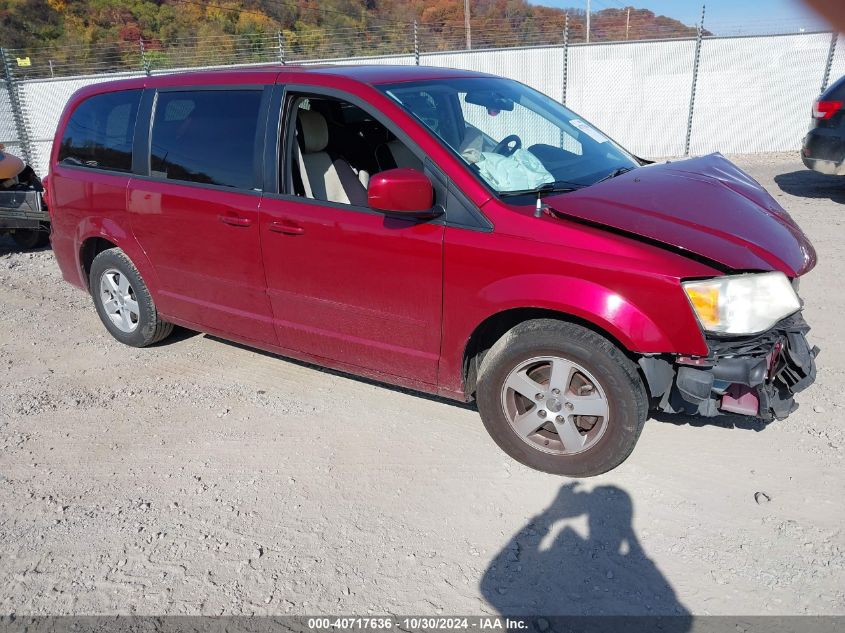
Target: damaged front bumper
751	375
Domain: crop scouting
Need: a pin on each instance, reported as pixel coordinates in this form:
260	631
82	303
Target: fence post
829	64
281	38
694	81
565	58
416	44
145	61
18	114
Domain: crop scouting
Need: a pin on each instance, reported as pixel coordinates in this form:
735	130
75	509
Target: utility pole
627	23
588	21
467	27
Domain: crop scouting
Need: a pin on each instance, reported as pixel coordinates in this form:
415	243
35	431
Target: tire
31	238
606	382
123	300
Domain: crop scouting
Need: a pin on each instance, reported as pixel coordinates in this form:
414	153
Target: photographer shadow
550	568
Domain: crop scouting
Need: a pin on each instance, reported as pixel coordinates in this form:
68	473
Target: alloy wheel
119	301
555	405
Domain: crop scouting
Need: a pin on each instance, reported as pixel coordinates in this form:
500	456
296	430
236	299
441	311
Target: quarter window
206	136
100	131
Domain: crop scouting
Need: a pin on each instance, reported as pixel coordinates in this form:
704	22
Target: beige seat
402	156
473	140
324	177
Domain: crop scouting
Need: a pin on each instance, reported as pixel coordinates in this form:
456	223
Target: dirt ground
199	477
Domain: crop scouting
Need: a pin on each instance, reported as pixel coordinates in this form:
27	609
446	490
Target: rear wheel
123	301
560	398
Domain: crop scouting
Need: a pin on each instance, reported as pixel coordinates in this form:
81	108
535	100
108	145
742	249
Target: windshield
516	139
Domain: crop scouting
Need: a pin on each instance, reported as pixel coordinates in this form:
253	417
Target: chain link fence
657	97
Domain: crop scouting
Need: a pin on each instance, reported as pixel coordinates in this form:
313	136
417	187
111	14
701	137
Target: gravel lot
200	477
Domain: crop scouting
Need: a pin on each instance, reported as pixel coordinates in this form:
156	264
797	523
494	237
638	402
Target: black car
824	145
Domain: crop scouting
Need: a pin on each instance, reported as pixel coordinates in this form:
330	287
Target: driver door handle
286	227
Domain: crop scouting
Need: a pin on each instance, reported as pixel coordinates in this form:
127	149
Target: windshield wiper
614	174
559	186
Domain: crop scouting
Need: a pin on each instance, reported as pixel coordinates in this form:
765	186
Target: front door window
338	147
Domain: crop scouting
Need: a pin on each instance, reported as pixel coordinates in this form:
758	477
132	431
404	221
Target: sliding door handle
233	219
287	228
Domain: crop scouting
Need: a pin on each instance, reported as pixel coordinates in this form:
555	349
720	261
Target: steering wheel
508	145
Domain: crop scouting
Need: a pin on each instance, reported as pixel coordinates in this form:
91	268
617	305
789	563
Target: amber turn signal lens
705	301
742	304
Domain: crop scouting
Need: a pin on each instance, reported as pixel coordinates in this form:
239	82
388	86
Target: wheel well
494	327
90	249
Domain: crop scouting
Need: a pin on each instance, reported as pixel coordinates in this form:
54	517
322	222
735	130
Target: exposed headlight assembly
742	304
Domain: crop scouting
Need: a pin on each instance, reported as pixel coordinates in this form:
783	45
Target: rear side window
206	136
100	131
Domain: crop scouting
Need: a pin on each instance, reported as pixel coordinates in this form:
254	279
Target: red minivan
449	231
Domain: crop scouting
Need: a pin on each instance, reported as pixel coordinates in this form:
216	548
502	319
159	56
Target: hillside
107	32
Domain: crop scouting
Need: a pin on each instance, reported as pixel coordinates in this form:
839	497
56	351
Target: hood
706	206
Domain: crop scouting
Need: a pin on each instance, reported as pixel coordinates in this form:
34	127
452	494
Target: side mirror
402	191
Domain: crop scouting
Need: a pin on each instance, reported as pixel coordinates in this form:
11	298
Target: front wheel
560	398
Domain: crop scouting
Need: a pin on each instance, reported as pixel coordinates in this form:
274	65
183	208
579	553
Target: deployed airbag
521	170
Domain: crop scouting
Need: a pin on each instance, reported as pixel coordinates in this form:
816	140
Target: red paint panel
205	249
705	205
86	203
624	287
358	287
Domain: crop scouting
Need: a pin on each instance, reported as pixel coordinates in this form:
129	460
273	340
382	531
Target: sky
724	15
